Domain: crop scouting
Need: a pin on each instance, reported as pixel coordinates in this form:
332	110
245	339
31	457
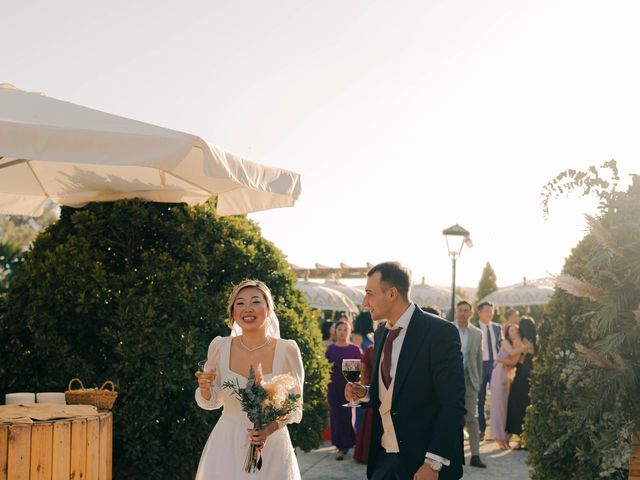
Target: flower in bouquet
264	402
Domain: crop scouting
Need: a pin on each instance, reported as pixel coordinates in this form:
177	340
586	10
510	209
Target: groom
417	386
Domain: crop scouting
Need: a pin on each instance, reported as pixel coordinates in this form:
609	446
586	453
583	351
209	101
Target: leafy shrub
585	382
134	292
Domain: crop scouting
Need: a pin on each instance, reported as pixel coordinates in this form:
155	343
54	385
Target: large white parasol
427	295
324	298
536	292
355	294
72	155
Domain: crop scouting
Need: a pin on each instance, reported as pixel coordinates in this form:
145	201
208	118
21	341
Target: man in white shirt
417	389
491	338
471	339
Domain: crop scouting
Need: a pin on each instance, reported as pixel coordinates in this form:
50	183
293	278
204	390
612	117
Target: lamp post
453	235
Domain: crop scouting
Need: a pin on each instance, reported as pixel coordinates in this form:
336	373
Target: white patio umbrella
522	294
355	294
325	298
72	155
425	295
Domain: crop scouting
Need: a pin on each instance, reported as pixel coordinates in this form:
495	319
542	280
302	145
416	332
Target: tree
487	283
134	292
585	383
10	258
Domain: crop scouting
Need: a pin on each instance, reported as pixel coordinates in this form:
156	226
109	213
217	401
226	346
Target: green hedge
559	447
134	292
585	400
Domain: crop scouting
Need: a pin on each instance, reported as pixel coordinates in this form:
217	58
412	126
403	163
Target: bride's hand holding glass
205	379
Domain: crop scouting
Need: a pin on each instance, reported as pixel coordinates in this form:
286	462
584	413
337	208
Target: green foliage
10	258
488	282
559	447
586	378
253	398
591	182
134	292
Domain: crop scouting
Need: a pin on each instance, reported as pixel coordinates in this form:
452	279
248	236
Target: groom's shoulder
435	322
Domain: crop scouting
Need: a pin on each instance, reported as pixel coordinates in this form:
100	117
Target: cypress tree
487	283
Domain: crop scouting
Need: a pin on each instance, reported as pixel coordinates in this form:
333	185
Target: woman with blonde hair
254	340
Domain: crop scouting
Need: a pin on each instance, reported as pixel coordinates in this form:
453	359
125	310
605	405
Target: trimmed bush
134	292
585	383
560	448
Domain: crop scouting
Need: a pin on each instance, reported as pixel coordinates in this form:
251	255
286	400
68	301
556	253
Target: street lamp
453	235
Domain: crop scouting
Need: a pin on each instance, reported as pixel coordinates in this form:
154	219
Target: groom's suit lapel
414	340
378	345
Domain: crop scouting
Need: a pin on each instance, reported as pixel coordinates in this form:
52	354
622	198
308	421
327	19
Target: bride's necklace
254	348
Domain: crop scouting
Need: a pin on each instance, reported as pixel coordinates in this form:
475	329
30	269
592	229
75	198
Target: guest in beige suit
471	340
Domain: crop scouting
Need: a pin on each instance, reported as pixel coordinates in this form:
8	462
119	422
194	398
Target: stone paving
321	464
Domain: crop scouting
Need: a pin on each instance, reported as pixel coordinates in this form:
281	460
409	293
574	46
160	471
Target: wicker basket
101	398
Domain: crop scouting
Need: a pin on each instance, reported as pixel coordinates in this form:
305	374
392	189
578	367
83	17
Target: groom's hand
425	472
354	391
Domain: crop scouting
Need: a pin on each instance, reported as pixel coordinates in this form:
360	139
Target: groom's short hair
393	274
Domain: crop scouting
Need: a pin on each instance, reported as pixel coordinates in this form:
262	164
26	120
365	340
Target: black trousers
389	467
487	369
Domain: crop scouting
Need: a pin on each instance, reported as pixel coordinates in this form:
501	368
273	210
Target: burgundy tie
386	356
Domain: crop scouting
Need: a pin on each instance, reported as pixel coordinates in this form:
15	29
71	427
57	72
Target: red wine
351	375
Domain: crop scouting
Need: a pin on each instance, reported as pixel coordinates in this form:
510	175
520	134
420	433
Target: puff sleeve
213	361
293	364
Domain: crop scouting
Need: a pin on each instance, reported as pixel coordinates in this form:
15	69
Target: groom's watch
435	465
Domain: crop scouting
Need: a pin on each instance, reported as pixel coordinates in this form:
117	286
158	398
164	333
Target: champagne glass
351	369
210	374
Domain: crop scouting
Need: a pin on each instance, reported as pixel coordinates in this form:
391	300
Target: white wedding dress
224	454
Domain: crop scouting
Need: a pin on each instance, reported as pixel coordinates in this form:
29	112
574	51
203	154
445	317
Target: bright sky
403	117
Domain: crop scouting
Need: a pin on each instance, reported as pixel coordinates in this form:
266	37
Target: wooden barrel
634	460
74	449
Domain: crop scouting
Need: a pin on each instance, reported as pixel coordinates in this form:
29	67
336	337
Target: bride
255	339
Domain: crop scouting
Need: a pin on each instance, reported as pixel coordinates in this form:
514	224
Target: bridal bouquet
264	402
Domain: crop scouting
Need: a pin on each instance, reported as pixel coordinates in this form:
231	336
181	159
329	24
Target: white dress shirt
487	329
403	322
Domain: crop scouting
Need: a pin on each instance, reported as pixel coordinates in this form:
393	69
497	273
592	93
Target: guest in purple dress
511	349
341	419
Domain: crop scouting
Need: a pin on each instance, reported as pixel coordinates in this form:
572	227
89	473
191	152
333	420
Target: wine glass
351	369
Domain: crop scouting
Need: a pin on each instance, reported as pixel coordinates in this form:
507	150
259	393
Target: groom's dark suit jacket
427	405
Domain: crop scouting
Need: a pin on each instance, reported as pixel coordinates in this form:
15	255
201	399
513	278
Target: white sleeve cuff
211	404
437	458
